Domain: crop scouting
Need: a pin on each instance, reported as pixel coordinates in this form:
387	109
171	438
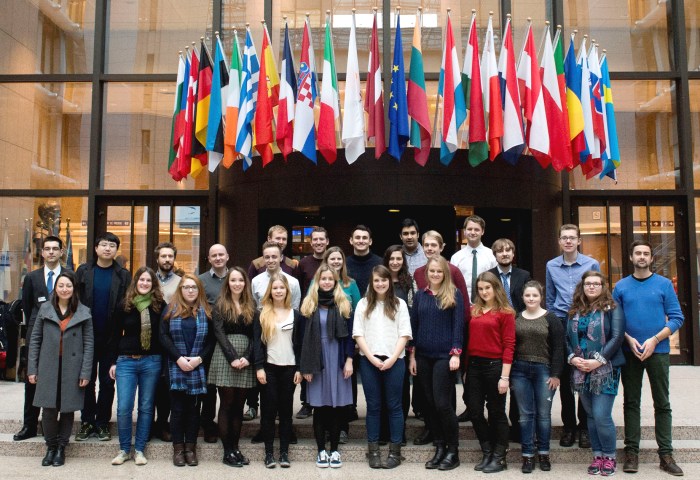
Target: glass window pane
119	223
695	129
692	33
647	129
186	234
144	36
29	220
52	140
136	138
47	36
635	33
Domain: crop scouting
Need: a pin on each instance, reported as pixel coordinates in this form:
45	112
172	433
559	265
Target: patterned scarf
142	302
586	346
194	382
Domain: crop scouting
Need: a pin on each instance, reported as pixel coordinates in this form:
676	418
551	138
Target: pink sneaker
607	469
595	467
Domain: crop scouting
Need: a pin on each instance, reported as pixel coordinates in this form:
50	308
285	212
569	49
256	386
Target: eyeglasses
191	288
107	244
592	284
568	239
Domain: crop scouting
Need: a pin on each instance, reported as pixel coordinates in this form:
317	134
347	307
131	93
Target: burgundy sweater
492	335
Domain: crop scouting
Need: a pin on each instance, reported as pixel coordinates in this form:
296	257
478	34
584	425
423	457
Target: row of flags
559	109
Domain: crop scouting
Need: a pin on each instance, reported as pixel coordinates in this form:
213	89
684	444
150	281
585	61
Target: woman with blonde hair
328	323
437	322
187	337
231	365
276	353
491	347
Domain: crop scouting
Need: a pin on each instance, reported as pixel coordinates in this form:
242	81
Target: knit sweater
492	335
436	331
360	269
541	340
646	304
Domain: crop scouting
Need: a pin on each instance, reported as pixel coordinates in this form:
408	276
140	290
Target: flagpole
544	38
437	95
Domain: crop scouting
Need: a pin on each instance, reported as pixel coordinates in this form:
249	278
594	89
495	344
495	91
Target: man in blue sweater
653	314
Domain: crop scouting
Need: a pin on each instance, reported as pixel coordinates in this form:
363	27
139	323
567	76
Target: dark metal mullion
46	78
609	238
557	10
647	210
212	229
131	233
171	235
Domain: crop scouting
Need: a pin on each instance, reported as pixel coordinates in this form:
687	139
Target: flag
417	99
181	126
353	115
196	152
268	97
559	146
473	98
585	155
513	135
5	268
454	110
611	154
530	83
596	112
233	99
204	80
561	81
217	107
178	120
330	110
491	90
70	264
250	75
288	95
26	253
304	139
398	109
572	75
374	95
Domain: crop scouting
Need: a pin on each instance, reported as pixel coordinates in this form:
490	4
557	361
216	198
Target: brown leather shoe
191	454
668	465
631	464
179	455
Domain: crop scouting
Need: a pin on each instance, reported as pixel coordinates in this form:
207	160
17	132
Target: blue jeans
534	399
601	427
132	373
390	384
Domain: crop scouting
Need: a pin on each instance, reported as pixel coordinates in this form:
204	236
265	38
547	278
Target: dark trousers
483	376
277	398
184	417
31	413
568	400
56	430
438	383
231	416
97	410
162	401
206	420
253	396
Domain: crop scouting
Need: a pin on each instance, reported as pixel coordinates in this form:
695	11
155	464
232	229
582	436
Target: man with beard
277	234
412	249
165	259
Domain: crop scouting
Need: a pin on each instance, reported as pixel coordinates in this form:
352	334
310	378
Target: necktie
49	282
474	275
505	279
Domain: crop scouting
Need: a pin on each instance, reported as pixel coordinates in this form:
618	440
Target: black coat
34	294
518	279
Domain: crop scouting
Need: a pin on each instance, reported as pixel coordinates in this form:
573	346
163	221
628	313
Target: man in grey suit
37	289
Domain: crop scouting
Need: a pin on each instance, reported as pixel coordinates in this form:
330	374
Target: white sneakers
322	460
140	458
335	461
121	457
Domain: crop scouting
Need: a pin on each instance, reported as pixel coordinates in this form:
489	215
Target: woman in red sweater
490	349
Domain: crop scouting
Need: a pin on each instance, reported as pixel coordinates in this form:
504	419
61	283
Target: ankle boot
451	459
191	454
528	465
375	461
394	458
179	455
498	461
60	457
440	453
48	458
486	451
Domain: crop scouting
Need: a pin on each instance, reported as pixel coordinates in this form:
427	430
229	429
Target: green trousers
656	367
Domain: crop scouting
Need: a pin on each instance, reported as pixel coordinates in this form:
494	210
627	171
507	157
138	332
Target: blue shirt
562	280
647	303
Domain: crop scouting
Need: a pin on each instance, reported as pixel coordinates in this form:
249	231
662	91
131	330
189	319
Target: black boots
528	465
375	461
47	461
60	458
440	453
498	460
451	459
486	458
394	458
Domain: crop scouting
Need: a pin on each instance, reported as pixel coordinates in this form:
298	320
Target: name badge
41	299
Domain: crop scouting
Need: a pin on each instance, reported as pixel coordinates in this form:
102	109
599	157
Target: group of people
180	340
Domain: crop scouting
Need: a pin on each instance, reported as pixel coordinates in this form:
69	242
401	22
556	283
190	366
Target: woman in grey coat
60	361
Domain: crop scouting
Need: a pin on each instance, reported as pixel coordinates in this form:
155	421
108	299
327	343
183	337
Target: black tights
327	419
232	401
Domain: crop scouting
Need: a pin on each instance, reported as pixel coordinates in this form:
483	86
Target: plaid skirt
222	374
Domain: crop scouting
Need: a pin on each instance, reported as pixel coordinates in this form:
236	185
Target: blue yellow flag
398	107
611	154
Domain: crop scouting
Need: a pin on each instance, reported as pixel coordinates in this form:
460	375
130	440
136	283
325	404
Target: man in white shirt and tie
474	258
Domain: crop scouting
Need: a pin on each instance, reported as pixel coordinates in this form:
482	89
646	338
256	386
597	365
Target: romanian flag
611	154
417	99
330	108
267	98
454	110
572	75
232	101
513	135
491	89
473	98
217	107
374	95
398	108
288	95
178	121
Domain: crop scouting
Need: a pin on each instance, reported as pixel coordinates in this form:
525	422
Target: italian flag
330	111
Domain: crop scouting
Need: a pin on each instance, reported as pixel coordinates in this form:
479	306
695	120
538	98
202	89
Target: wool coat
78	345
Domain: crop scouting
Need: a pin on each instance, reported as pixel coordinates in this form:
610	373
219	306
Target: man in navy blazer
516	278
37	289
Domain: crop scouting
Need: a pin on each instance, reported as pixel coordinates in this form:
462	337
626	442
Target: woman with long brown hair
335	258
231	365
136	354
594	334
186	336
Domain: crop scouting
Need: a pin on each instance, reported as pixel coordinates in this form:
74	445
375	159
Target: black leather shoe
48	458
545	463
424	438
464	417
434	462
60	458
24	434
451	459
567	439
231	460
583	440
241	458
528	465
